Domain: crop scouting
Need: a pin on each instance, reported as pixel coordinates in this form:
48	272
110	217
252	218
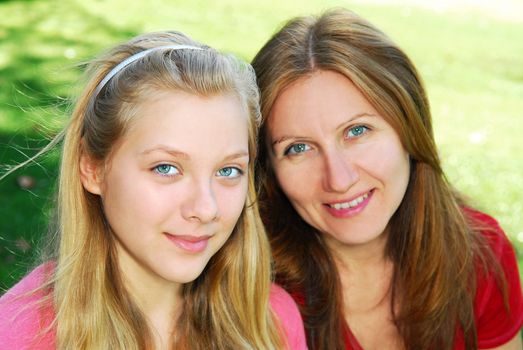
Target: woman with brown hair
371	240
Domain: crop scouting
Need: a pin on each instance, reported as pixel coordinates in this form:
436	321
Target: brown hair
432	246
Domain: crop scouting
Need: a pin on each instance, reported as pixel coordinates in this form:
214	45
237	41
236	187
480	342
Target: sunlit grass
470	61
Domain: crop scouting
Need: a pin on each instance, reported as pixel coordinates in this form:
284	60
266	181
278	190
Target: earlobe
90	174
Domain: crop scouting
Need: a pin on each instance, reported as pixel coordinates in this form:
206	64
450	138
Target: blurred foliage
471	61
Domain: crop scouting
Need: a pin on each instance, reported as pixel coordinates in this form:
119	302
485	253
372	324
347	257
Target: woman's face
339	162
176	185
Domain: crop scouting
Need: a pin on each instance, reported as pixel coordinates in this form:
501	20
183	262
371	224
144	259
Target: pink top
290	318
21	319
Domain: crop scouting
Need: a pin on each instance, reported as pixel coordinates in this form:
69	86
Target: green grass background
471	60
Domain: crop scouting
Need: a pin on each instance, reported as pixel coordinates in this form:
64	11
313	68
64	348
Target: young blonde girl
162	246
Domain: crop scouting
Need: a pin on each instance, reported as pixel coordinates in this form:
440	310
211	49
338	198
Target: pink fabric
287	311
21	320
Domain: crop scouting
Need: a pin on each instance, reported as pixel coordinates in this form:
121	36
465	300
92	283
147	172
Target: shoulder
488	226
289	316
22	315
281	301
30	282
497	242
498	303
493	236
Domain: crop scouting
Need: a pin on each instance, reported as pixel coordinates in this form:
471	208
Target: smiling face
176	184
339	162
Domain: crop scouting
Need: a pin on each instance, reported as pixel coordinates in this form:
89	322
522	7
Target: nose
340	172
201	204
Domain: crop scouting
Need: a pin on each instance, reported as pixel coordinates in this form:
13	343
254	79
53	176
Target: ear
90	174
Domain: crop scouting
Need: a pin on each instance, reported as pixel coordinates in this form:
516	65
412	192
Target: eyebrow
183	155
237	155
165	149
356	116
283	139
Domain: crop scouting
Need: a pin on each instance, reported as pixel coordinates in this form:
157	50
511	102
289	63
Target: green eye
357	131
166	170
297	148
230	172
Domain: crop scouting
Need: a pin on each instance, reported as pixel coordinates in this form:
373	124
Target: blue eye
357	131
296	148
230	172
166	170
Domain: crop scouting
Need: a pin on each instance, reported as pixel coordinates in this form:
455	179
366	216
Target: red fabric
495	326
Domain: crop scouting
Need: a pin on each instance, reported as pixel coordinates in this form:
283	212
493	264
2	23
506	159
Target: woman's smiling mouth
350	207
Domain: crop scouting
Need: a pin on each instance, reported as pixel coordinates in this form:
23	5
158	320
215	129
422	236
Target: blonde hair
227	306
429	233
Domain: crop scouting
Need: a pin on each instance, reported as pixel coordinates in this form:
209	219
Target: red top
495	326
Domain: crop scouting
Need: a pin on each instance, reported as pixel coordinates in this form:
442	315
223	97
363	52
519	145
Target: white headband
137	56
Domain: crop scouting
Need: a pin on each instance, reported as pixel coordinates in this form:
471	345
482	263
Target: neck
158	299
357	258
365	273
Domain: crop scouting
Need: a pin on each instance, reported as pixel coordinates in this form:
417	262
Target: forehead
320	98
185	109
184	120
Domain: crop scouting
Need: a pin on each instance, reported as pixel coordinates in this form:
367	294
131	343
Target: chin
183	276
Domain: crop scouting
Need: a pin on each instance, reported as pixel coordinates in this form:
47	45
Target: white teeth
350	204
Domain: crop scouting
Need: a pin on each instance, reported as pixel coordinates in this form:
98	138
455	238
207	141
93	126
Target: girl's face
175	185
338	161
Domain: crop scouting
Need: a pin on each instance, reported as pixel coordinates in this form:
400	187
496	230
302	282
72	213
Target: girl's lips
190	244
350	207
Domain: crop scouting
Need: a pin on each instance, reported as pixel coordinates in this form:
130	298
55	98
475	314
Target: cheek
399	165
393	169
129	203
232	202
291	183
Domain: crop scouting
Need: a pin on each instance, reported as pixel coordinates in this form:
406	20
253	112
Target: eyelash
364	128
240	172
289	150
156	170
